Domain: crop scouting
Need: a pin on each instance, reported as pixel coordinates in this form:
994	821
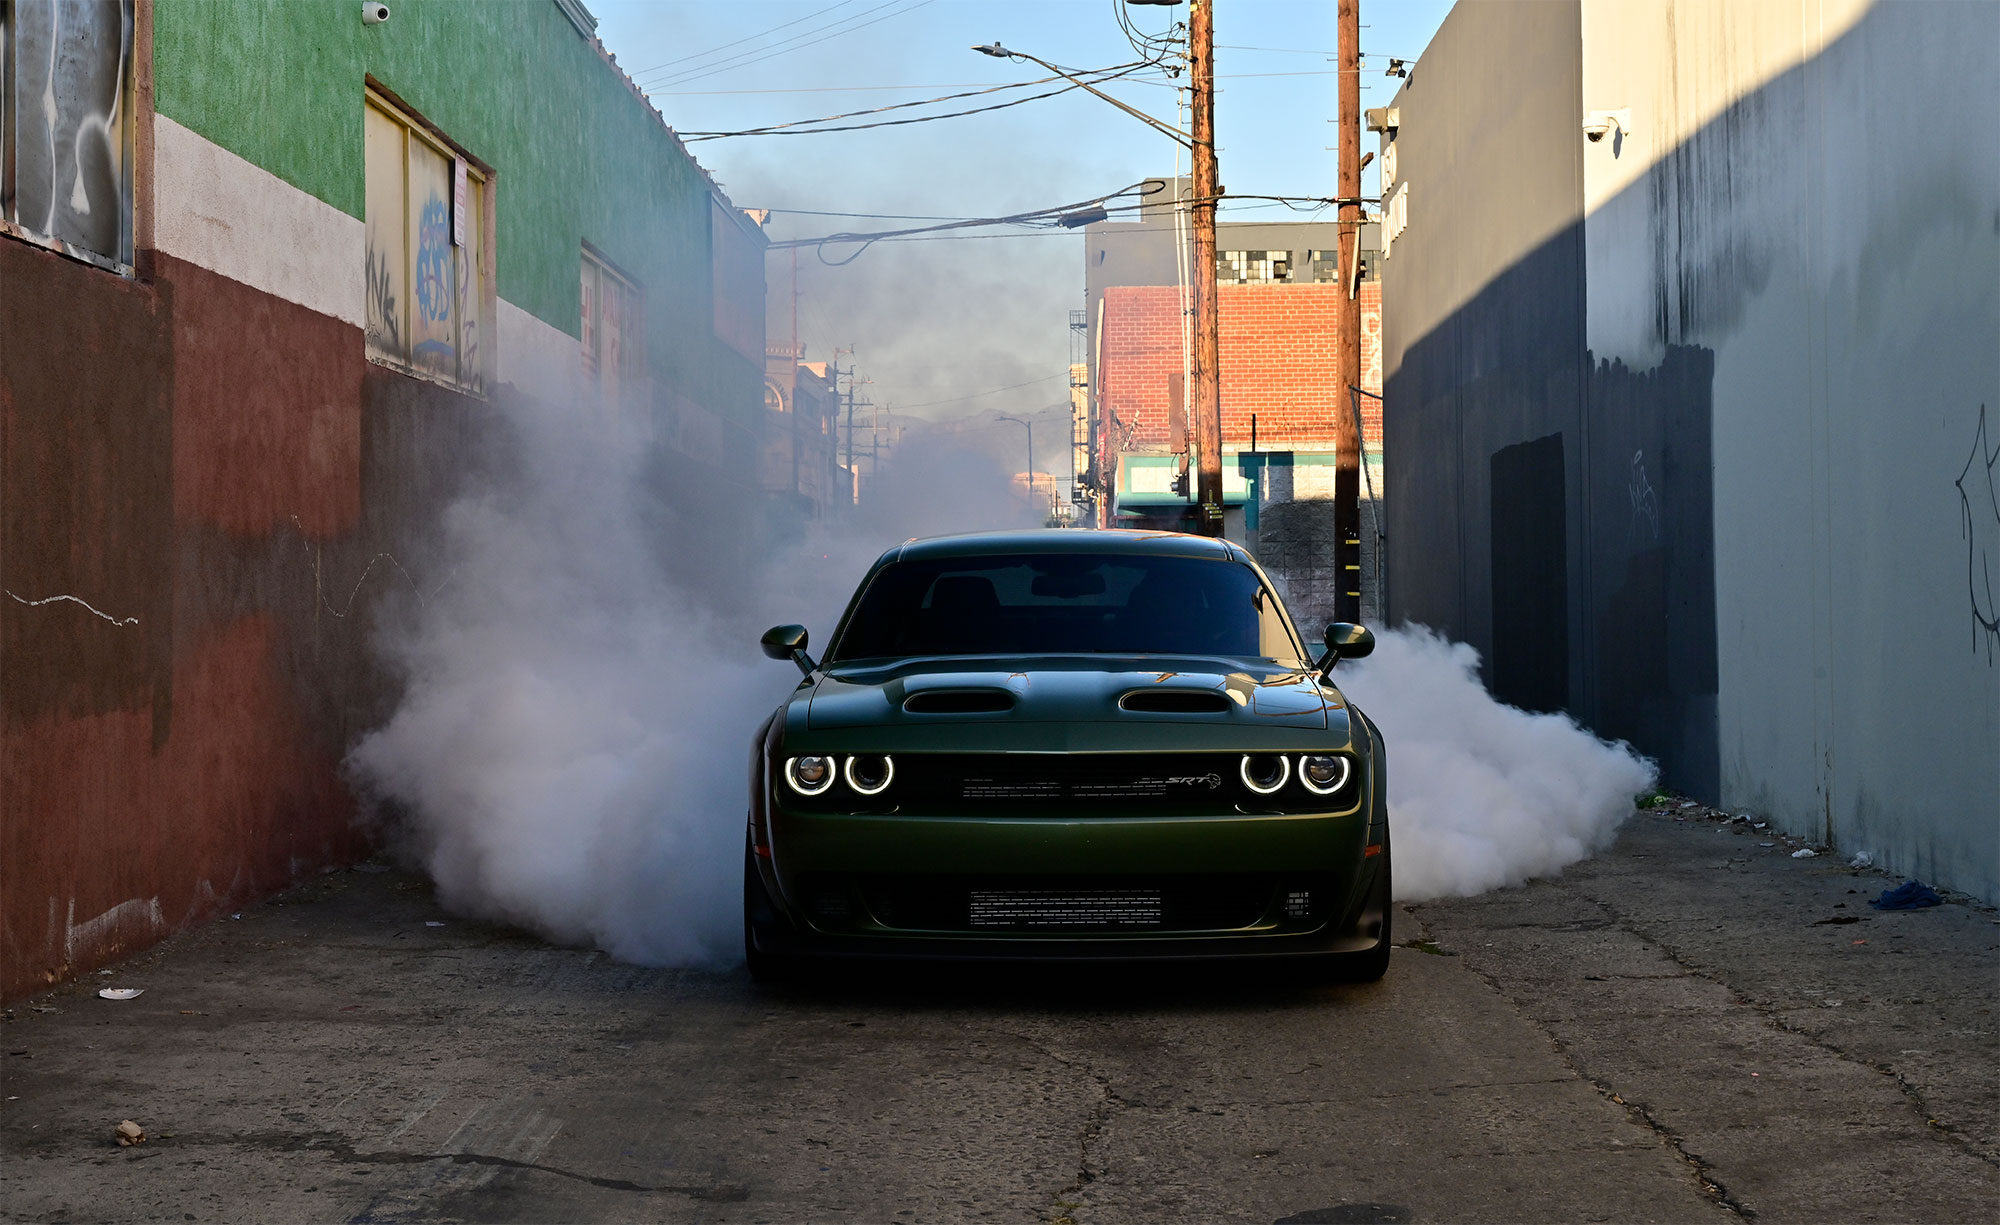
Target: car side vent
1175	702
958	701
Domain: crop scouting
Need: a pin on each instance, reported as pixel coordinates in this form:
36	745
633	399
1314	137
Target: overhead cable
797	129
758	55
702	55
788	129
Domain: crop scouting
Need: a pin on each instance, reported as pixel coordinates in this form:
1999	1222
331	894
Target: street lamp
1031	455
1207	347
999	52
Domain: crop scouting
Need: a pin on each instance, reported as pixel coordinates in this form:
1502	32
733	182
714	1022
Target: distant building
802	467
1693	354
1279	295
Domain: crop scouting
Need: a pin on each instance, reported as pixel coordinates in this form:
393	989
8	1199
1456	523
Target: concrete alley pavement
1690	1027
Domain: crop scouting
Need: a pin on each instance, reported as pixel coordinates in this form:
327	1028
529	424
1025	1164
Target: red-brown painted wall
215	471
1277	362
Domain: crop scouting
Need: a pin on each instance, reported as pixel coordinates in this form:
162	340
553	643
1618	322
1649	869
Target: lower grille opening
1047	904
1061	908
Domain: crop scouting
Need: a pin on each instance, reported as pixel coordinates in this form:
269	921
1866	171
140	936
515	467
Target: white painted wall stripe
538	359
216	210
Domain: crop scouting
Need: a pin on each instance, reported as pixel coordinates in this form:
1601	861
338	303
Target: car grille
1063	904
999	783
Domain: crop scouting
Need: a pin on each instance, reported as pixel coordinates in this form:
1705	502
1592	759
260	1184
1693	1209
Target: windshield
1064	603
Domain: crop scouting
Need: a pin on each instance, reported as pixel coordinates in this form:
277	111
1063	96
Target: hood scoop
1175	702
958	702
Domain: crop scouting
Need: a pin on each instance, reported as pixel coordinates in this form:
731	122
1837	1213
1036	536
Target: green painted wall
576	156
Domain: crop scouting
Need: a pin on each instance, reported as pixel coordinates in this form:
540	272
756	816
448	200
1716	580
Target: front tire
764	967
1370	966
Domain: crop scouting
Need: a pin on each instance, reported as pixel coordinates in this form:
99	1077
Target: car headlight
809	775
870	773
1265	773
1324	773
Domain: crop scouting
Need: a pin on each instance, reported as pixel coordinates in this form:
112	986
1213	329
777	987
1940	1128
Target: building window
611	333
426	272
66	128
1254	267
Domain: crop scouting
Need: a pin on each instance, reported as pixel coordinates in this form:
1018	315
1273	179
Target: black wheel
764	967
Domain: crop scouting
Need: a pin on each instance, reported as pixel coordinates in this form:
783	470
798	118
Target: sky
940	325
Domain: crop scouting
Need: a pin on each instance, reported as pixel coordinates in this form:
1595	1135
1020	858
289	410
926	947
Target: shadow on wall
1558	511
1565	512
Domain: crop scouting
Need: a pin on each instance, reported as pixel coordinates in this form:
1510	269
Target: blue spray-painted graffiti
434	261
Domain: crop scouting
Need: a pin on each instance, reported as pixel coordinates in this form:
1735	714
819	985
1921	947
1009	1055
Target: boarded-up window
612	335
66	127
425	249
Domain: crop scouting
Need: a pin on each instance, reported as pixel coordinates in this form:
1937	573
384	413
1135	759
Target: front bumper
1129	888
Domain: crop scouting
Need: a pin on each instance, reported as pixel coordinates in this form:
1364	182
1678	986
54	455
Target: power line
746	38
991	391
786	129
795	43
781	129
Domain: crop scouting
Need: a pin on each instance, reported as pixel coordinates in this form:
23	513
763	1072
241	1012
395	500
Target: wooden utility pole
1207	314
1346	428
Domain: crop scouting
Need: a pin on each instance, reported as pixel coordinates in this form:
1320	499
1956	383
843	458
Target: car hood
1155	689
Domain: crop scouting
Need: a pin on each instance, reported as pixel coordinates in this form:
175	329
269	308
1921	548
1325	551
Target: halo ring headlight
810	775
1325	773
1266	788
859	780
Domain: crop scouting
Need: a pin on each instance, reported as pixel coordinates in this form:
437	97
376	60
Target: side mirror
789	642
1345	641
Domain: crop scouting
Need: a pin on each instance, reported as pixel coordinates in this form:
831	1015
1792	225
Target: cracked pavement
1690	1027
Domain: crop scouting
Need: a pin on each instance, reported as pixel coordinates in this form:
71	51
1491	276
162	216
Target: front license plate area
1056	909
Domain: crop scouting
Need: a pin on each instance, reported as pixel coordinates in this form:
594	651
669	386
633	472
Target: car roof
1066	540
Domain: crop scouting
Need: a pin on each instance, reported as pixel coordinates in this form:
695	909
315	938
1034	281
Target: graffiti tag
1979	516
434	261
382	325
1645	504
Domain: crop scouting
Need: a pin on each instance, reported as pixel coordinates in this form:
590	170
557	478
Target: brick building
272	284
1279	295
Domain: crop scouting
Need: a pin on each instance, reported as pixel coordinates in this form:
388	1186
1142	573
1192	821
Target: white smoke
1481	794
571	751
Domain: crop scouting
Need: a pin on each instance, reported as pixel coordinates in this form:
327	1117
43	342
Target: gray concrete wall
1813	199
1761	321
1482	319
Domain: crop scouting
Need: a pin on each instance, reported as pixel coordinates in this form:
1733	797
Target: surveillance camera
1598	124
373	13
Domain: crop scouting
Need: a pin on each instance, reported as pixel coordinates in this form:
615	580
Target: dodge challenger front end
1068	745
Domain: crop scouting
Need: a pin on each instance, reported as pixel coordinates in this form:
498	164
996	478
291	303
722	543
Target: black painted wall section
1652	562
1530	559
1483	411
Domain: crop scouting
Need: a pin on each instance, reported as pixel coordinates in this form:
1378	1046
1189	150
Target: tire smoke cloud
1483	795
569	754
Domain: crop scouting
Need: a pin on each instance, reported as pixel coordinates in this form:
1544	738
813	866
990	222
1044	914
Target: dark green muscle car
1062	745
